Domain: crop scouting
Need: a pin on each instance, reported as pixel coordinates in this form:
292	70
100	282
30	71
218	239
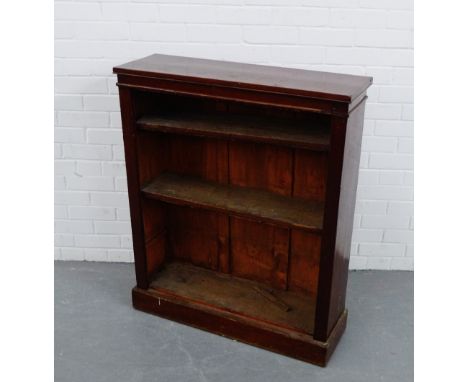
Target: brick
123	213
381	249
193	14
403	94
114	169
80	85
383	111
386	222
60	212
370	56
394	128
403	76
114	227
381	76
367	235
158	32
90	212
391	161
133	12
84	67
64	167
59	182
240	15
400	208
94	183
400	20
77	11
379	263
57	254
371	207
326	37
408	178
297	54
385	192
72	254
92	254
358	262
68	102
71	197
391	177
73	226
120	184
300	16
406	145
58	153
115	119
118	153
407	113
380	144
82	119
99	152
387	4
126	241
367	177
384	38
64	240
358	18
402	263
271	35
105	136
101	103
69	135
97	241
88	168
214	33
398	236
102	31
120	255
111	199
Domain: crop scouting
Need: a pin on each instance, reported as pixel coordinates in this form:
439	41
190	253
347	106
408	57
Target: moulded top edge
300	82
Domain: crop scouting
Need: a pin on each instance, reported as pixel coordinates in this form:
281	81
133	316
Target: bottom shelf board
244	298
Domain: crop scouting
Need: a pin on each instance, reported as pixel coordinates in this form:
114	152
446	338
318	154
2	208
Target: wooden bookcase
242	182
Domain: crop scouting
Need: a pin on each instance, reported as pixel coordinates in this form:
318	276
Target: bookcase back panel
193	236
310	175
304	262
259	252
261	166
154	221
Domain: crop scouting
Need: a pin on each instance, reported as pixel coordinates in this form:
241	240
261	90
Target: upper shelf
308	83
238	201
289	133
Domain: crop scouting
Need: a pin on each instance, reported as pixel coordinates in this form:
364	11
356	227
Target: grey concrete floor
100	337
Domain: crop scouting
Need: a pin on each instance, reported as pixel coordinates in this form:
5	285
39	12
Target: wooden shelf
293	133
242	298
238	201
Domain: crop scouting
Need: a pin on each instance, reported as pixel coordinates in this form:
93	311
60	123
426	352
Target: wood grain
237	201
275	131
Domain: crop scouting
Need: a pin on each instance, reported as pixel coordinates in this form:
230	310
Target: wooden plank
292	133
321	85
237	201
236	295
259	252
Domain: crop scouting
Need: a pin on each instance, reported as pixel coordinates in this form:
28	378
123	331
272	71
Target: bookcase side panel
133	183
346	135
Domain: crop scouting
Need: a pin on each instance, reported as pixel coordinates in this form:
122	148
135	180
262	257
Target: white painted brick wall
369	37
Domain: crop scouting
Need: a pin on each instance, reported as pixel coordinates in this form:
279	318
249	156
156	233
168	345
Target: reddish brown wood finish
242	183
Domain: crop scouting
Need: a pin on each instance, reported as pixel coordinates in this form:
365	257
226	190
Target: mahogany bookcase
242	185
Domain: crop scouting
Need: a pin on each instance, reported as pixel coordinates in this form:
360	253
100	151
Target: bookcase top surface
321	85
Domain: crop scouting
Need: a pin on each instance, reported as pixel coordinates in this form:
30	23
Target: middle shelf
238	201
